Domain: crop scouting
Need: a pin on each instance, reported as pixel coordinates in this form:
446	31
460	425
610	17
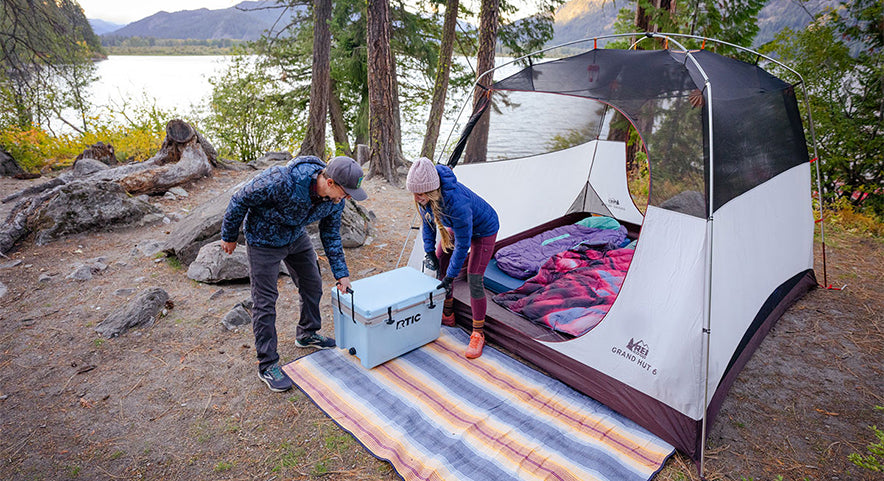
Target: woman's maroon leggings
481	249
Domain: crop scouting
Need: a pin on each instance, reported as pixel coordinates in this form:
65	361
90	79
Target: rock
44	278
149	248
178	192
8	166
238	316
124	292
199	228
3	290
213	265
141	311
81	273
86	207
169	196
9	264
84	167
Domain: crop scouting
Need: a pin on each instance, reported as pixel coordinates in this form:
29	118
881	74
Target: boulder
86	166
86	207
213	265
200	227
9	167
143	310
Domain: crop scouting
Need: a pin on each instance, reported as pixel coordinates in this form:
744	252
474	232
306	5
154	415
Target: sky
126	11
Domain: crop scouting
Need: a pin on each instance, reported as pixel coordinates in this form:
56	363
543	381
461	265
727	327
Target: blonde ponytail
435	203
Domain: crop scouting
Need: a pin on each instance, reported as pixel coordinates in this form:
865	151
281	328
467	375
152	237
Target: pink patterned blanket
572	291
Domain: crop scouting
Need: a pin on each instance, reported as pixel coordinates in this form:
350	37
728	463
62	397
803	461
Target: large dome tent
724	238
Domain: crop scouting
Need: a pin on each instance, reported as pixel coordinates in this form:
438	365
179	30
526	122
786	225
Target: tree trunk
314	139
385	153
644	22
338	124
440	87
477	147
397	117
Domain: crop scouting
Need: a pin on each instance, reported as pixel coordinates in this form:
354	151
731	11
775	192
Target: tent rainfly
724	243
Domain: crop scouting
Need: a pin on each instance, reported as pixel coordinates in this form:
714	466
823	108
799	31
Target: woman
467	228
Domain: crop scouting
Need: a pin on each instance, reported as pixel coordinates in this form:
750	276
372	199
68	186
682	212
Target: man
276	206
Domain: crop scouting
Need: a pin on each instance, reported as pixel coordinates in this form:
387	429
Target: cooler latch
431	306
389	315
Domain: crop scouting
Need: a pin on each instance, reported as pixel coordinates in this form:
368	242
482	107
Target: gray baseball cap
348	174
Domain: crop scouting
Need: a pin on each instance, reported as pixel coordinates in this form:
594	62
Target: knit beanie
422	176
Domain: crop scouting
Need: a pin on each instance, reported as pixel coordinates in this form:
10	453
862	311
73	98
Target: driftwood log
184	156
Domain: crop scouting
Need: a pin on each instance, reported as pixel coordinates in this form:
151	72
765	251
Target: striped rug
434	415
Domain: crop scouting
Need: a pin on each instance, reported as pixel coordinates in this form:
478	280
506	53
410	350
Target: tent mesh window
757	130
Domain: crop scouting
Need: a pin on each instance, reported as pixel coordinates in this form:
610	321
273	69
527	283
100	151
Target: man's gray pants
300	259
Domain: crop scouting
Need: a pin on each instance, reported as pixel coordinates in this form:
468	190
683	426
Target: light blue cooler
388	315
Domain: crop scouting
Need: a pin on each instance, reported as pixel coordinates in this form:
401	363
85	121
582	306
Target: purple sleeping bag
524	258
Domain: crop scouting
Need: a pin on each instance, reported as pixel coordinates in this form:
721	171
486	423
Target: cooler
388	315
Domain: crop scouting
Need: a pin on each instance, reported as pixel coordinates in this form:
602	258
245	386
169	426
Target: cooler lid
396	289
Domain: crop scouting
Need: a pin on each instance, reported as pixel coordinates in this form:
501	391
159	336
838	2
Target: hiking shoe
315	341
448	320
275	379
477	342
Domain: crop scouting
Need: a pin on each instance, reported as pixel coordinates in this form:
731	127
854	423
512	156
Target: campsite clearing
179	400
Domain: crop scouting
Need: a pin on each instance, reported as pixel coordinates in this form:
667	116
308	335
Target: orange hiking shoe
477	342
448	320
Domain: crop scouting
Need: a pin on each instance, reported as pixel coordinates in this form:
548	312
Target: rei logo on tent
637	352
639	347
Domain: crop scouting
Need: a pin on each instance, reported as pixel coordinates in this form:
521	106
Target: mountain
578	19
245	21
100	27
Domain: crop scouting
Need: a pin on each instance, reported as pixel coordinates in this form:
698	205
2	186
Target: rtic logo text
408	321
636	351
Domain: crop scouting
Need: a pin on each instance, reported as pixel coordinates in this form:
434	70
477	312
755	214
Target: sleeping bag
523	259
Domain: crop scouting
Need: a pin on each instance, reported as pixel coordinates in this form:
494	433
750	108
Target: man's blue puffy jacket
276	206
467	214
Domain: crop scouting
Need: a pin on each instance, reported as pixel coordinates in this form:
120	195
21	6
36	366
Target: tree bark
385	152
314	139
440	87
477	146
338	123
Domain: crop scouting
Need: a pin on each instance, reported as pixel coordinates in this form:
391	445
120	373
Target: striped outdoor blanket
434	415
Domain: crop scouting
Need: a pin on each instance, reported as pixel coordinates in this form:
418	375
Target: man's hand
343	284
228	247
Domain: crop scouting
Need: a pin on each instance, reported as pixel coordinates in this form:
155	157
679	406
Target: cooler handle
352	304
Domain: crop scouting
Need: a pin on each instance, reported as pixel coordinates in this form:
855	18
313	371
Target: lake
177	84
180	85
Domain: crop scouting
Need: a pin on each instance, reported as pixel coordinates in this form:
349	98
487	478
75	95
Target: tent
724	242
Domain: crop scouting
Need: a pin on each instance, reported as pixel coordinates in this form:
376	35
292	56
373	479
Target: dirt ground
180	399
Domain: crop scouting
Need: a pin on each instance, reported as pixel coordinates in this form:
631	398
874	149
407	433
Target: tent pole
707	321
819	188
